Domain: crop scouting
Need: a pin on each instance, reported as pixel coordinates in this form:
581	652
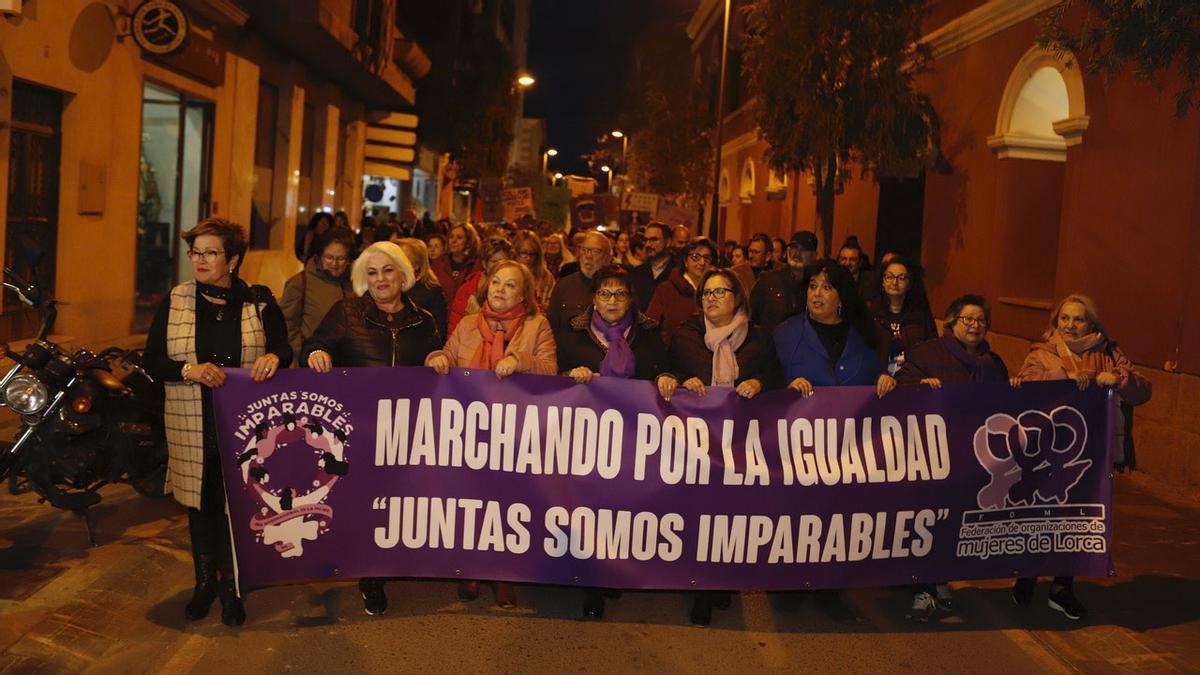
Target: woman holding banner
719	348
382	328
960	356
830	344
210	323
1077	347
507	336
610	339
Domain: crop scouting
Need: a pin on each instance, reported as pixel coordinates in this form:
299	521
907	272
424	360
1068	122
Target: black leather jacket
357	334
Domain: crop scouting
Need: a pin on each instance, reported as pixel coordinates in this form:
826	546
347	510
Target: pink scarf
493	341
723	342
1070	350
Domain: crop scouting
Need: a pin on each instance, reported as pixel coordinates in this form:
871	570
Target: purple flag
403	472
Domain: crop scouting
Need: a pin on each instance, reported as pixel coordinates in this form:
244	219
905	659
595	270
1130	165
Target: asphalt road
68	607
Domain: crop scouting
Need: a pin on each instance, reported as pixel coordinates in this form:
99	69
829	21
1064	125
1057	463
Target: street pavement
66	606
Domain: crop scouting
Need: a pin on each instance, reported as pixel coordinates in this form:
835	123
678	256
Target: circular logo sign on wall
159	26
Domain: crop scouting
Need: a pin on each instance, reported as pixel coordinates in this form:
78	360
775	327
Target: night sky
579	53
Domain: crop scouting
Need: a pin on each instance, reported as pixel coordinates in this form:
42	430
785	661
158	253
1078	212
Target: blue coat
802	355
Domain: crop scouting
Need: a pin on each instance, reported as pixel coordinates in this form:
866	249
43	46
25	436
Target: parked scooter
87	419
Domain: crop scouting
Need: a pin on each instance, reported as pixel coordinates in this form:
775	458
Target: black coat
933	358
776	297
431	299
690	357
915	326
644	282
357	334
578	346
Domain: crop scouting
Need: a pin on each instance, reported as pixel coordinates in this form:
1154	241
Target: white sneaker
923	607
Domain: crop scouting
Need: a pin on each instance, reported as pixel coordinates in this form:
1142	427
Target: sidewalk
65	606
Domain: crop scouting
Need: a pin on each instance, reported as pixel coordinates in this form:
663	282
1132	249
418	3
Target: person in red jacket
464	298
673	301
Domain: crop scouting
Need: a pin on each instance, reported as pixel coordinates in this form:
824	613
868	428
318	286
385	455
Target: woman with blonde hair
1077	347
555	253
528	249
507	336
427	291
382	328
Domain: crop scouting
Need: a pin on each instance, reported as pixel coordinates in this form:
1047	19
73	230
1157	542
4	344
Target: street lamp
526	80
550	152
617	133
608	170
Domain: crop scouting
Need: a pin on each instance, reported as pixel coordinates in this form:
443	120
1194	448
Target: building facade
113	140
1057	182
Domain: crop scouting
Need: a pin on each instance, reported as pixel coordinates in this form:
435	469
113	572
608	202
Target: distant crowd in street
654	303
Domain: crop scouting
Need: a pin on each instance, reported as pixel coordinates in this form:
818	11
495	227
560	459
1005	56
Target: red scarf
492	342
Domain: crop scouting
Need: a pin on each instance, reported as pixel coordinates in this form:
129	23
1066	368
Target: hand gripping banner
403	472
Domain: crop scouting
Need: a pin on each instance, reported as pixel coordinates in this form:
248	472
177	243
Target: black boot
206	587
593	603
233	612
702	607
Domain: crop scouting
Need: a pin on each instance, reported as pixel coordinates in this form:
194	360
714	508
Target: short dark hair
233	237
739	291
335	235
663	230
702	242
764	238
613	272
957	305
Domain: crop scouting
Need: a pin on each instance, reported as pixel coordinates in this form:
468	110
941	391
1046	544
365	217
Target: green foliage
483	111
1153	35
670	149
834	83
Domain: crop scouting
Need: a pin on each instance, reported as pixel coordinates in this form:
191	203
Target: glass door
174	186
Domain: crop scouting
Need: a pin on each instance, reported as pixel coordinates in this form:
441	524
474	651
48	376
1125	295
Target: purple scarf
981	364
618	360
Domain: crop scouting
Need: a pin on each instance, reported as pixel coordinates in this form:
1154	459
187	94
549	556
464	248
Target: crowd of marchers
653	303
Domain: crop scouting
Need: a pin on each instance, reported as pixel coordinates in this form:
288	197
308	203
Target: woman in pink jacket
1076	347
507	336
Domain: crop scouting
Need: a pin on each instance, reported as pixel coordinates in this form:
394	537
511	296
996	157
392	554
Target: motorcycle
87	420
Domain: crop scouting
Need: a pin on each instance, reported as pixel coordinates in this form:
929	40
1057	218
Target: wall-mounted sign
159	26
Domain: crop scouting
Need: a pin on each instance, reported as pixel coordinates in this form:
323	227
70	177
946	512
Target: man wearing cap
778	293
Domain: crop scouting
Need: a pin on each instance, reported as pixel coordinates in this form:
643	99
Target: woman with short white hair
382	328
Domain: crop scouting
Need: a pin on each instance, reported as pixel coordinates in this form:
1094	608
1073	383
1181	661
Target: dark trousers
209	527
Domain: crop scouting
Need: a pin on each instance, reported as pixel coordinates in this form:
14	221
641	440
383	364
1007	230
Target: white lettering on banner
604	534
554	440
741	538
433	522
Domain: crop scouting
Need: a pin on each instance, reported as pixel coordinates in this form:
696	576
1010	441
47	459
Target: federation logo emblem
1033	459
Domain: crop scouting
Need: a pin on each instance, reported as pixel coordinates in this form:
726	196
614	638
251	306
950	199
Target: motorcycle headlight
26	394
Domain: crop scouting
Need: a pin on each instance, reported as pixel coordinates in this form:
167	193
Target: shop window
1042	110
262	207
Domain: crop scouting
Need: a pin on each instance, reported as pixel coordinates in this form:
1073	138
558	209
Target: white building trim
983	22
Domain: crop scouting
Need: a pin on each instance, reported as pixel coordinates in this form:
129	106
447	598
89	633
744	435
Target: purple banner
402	472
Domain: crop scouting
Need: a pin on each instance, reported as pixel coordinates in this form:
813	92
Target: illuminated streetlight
558	176
552	152
616	133
605	169
608	170
526	80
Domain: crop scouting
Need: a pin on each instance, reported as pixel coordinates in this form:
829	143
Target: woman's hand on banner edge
320	361
582	374
885	384
667	384
750	388
803	386
935	383
440	364
694	385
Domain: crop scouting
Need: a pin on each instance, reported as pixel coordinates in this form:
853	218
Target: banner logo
1033	458
291	493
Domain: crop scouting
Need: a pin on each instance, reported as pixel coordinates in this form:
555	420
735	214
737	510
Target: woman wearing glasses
610	339
960	356
212	322
901	313
324	280
528	248
717	348
674	300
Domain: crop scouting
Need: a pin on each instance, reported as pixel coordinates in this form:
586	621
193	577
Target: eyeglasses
718	293
898	278
209	256
591	251
612	295
696	257
334	259
973	320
